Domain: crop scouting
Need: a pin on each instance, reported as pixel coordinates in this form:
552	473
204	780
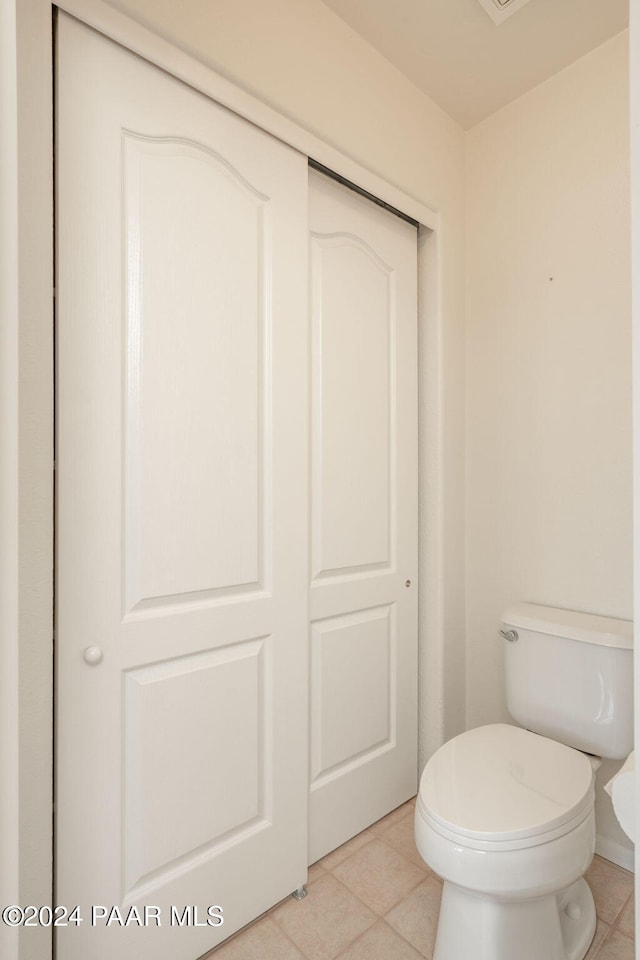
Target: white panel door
363	513
182	417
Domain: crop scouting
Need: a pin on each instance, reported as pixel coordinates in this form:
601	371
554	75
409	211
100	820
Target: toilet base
555	927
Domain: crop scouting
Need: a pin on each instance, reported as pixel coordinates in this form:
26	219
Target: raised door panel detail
364	513
353	330
196	755
352	690
182	425
197	262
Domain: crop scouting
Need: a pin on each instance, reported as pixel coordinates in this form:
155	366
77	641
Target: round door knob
93	655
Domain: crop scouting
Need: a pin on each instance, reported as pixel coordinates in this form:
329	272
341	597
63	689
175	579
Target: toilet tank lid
606	631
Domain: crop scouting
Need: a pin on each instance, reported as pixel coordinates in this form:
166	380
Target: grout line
604	940
427	872
608	937
616	923
622	909
329	871
618	914
359	937
380	916
613	927
364	932
374	914
348	855
238	933
419	862
351	892
285	934
415	860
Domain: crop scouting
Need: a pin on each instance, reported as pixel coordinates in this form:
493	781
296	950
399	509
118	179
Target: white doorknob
93	656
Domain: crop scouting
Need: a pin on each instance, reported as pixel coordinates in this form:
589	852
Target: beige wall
548	360
300	58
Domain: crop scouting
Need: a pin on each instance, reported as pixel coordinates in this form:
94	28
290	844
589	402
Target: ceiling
452	50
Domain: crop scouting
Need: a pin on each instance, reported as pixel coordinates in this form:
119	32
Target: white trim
26	502
431	498
615	852
9	716
153	48
634	97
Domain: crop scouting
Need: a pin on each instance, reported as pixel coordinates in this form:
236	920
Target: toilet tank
569	676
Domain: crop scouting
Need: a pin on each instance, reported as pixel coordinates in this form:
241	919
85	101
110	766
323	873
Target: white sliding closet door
363	513
182	489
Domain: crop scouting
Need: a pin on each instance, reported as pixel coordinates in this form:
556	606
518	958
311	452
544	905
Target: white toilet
505	815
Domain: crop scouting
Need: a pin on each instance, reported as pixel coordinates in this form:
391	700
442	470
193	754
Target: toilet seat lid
501	783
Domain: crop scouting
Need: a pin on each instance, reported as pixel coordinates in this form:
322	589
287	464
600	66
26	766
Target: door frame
27	418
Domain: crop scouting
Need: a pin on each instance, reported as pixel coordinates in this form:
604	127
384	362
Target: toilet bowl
506	815
506	818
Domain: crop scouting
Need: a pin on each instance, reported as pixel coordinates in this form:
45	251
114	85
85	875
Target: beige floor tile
379	875
401	836
380	943
602	929
325	922
626	921
396	815
315	870
416	917
617	947
341	853
380	872
611	887
259	941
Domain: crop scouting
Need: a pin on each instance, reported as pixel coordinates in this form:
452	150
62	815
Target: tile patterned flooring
375	899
